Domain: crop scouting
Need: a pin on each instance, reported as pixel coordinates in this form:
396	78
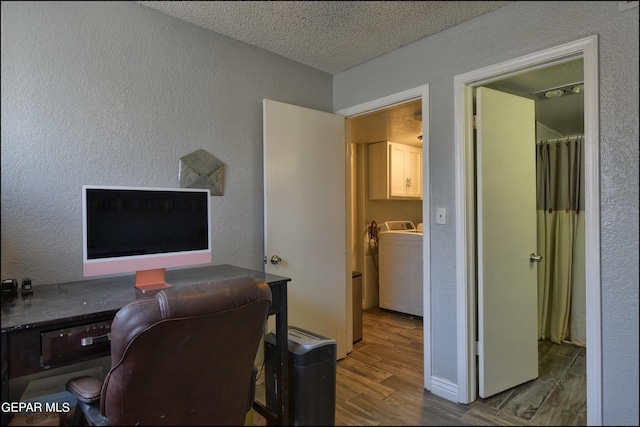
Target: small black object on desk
9	289
26	287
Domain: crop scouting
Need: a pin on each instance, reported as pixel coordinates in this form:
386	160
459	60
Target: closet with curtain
561	240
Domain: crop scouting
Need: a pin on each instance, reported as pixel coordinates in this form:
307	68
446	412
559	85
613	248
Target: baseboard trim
370	303
444	388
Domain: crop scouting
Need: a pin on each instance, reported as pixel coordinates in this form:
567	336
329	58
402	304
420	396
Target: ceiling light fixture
556	93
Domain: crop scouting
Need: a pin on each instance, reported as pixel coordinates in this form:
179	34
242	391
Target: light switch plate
441	216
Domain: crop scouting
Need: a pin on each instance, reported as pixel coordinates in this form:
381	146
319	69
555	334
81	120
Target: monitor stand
151	280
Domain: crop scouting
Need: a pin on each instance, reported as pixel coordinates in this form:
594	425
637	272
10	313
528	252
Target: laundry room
387	199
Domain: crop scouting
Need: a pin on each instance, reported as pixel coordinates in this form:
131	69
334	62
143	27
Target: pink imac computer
144	230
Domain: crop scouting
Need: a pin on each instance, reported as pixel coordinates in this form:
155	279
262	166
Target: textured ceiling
330	36
333	36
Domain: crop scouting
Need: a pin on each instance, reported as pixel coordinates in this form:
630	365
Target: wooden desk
87	304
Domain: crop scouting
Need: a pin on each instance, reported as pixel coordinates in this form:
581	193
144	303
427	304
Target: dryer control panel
398	226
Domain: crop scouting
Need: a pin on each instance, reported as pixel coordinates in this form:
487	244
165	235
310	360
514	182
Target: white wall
515	30
115	93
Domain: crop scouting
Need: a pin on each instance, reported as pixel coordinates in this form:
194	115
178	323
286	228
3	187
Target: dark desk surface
86	299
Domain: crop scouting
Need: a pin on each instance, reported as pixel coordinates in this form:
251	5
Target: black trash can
312	377
357	305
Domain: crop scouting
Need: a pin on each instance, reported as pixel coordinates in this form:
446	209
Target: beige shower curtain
560	214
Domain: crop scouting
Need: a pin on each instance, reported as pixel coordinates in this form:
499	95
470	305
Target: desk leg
6	416
278	412
282	337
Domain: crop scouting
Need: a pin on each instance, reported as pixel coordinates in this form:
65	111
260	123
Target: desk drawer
68	344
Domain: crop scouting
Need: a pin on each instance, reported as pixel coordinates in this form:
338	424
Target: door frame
586	48
382	103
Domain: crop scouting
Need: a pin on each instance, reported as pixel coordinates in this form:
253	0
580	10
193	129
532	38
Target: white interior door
305	215
507	279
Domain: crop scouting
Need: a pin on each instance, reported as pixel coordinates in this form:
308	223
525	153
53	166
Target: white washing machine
400	257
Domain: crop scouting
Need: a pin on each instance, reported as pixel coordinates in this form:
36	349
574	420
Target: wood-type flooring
381	383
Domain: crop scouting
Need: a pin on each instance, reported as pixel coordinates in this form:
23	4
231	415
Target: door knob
275	260
535	258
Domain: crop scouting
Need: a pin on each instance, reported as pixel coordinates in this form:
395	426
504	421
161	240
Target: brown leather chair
182	357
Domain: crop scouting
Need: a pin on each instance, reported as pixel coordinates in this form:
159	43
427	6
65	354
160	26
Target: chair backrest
186	356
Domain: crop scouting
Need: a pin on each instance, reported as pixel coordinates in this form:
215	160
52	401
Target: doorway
558	95
401	123
465	203
369	134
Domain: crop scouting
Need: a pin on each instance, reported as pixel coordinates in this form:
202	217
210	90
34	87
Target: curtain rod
561	139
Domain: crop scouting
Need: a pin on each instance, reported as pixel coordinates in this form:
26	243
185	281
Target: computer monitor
144	230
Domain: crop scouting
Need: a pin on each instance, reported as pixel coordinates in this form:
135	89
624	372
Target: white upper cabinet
395	171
